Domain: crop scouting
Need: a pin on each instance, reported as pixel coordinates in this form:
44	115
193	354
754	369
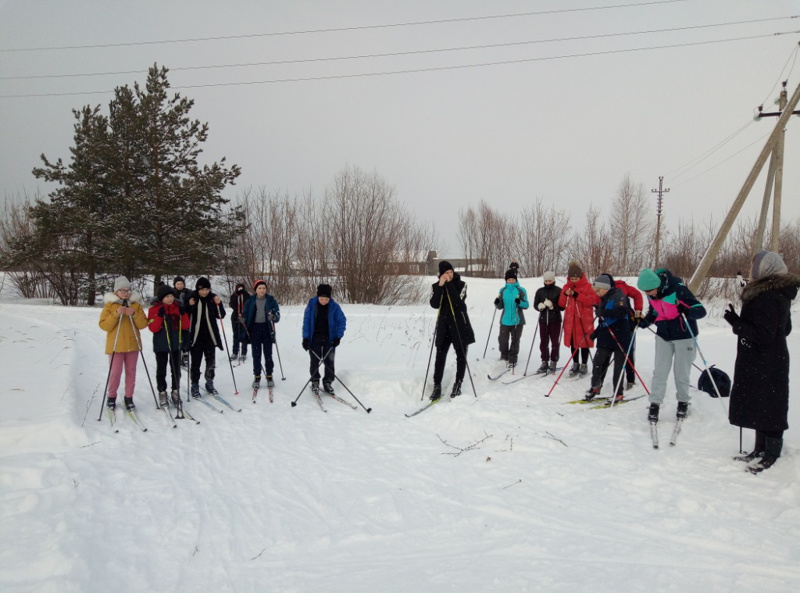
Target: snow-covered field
509	491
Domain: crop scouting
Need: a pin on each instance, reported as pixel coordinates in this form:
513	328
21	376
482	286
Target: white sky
563	129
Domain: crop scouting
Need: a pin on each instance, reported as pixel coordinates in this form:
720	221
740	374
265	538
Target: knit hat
513	266
574	270
202	282
239	287
324	290
648	280
511	273
178	279
121	282
163	291
766	263
549	276
603	281
444	266
257	283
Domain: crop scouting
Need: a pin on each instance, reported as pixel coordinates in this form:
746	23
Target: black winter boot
456	389
757	452
436	394
652	415
772	451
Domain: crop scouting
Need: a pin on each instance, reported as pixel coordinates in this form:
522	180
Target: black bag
721	378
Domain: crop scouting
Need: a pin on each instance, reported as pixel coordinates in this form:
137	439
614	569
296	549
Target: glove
593	335
683	309
730	316
548	303
516	300
540	306
638	315
270	316
497	302
161	311
336	342
306	344
240	319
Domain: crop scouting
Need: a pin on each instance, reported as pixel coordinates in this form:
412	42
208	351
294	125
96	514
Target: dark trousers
602	360
164	365
584	355
549	340
441	358
319	346
512	334
199	351
261	339
630	372
239	337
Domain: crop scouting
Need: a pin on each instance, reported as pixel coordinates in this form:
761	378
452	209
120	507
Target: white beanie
121	282
551	276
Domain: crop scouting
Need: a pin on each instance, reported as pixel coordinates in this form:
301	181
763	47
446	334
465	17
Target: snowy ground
547	496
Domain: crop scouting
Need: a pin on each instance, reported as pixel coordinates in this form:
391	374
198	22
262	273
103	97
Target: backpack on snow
721	378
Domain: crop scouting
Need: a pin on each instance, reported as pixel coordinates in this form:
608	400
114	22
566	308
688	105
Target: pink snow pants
120	360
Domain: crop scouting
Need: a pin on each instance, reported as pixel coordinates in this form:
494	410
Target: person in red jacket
576	299
165	315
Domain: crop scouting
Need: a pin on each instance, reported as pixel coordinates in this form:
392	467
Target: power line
411	52
343	29
420	70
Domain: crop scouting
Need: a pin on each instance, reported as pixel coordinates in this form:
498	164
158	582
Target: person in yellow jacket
122	318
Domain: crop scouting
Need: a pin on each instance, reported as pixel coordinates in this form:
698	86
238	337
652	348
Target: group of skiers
607	312
186	332
604	314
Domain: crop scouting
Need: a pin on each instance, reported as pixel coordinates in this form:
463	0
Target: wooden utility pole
713	249
659	203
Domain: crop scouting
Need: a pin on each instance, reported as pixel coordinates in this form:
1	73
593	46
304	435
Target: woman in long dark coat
760	394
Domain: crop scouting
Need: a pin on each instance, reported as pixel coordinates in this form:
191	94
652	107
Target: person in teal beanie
674	310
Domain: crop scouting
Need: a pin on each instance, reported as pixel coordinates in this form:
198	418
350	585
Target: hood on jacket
111	297
786	283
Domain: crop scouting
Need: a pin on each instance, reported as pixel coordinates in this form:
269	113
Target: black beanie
178	279
324	290
202	282
163	291
511	273
445	265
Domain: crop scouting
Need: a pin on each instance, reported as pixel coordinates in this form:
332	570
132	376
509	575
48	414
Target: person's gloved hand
336	342
306	343
540	306
548	303
731	316
593	335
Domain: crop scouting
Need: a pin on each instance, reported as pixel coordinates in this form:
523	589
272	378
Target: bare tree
631	228
543	237
595	245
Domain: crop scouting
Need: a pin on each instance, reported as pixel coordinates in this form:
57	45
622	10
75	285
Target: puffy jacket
337	322
552	293
453	321
129	337
249	313
236	304
512	312
665	309
176	321
613	314
578	313
205	310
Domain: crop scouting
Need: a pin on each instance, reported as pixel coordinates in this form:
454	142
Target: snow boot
176	399
270	382
543	369
195	390
683	410
162	399
256	381
129	404
553	366
327	387
583	369
436	394
243	359
315	387
111	402
573	371
772	451
234	357
619	398
757	452
456	389
630	385
591	394
652	415
210	387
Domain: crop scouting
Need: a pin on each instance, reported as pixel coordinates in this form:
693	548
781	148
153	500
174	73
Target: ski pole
430	355
530	352
110	364
319	362
144	362
277	350
627	360
460	343
571	356
490	333
622	371
343	385
228	353
175	369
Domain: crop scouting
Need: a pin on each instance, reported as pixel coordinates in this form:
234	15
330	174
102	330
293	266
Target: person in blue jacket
511	301
261	312
324	324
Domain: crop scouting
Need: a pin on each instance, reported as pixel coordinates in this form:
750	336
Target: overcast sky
555	100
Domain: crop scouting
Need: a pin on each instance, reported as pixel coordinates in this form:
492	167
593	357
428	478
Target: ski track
556	498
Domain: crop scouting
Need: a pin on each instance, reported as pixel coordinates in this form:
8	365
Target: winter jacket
206	311
513	314
578	313
176	321
238	299
337	322
552	293
665	309
249	313
613	315
631	293
129	337
760	393
453	321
